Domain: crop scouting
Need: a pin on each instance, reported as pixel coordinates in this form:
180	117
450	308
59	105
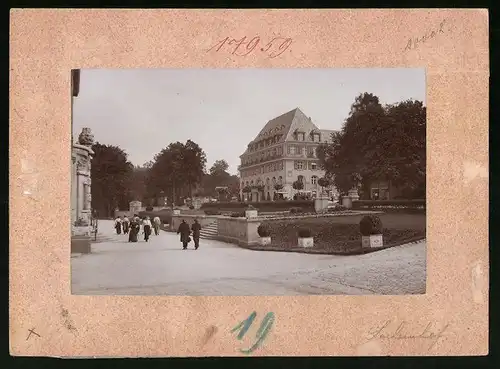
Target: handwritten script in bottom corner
432	332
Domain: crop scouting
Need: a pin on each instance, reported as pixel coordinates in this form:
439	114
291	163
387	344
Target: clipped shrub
370	224
296	210
149	208
304	233
383	204
191	207
337	208
212	212
284	204
238	214
263	230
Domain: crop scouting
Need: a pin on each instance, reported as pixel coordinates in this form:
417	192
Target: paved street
161	267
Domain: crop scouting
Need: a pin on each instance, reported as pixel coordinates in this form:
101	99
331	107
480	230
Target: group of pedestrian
133	226
185	231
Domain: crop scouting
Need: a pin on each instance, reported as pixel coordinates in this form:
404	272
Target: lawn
340	235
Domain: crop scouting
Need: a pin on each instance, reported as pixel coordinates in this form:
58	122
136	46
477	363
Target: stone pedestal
265	241
374	240
321	204
197	203
251	213
135	207
306	242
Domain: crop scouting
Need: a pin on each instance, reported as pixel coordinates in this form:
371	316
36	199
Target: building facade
284	152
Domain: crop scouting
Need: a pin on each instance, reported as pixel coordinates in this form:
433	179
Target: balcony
262	160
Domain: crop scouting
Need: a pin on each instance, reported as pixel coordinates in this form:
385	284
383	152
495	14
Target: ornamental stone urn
352	195
86	137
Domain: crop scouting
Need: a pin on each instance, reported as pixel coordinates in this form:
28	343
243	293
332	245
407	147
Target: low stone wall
204	220
241	231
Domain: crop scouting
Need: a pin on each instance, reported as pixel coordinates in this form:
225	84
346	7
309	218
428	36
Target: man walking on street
196	228
184	232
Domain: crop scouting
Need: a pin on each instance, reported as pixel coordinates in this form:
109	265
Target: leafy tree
219	167
177	170
111	175
377	143
219	177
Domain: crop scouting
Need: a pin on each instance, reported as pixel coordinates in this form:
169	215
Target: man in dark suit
196	228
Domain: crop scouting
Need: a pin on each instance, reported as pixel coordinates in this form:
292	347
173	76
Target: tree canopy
176	171
219	167
111	174
378	143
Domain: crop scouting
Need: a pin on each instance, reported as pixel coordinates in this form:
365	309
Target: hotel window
299	165
291	150
280	150
300	179
314	180
314	166
274	180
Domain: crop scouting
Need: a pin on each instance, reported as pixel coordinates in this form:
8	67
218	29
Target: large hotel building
284	152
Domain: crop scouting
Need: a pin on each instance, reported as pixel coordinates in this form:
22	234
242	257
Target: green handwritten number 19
265	327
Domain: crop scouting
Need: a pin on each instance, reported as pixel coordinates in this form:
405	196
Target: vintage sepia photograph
240	182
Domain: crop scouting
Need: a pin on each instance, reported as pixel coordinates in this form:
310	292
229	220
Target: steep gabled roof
277	125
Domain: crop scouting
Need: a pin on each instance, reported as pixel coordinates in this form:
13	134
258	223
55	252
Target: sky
143	110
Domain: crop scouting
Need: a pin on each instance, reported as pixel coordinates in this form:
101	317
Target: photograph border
456	302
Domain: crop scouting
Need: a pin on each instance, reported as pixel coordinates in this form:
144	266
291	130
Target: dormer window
299	135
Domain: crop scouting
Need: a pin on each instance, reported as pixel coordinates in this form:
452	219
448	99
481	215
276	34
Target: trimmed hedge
261	206
389	205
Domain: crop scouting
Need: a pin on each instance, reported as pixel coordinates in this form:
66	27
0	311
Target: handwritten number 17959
265	327
243	47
